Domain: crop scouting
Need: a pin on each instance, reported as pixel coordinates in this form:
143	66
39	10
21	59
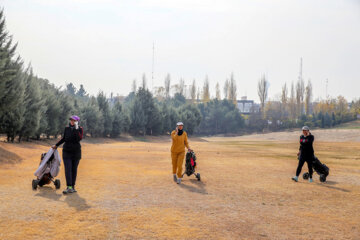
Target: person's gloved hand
76	125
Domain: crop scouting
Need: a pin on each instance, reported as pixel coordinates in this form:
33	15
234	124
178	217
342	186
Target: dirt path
125	191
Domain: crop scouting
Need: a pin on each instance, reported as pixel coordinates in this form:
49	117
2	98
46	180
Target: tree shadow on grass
76	201
196	187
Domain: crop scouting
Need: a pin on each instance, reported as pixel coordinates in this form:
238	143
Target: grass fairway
125	191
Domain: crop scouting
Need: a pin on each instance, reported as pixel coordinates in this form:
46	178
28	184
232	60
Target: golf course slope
126	191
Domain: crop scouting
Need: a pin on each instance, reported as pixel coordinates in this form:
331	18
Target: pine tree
117	123
105	109
13	119
33	105
137	118
81	92
144	81
133	86
11	85
71	89
92	118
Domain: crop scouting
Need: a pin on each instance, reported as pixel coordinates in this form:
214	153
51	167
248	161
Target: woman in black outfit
306	153
71	152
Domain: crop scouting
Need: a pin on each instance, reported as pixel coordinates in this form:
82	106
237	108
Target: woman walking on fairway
306	153
179	142
71	152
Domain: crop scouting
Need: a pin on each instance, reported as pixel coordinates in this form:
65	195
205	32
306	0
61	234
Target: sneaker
295	178
68	190
310	180
178	180
74	190
175	178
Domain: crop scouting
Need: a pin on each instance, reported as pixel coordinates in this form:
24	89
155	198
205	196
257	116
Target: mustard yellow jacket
179	142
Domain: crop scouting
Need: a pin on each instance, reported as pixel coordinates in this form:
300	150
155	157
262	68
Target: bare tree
218	94
284	94
198	95
226	89
292	102
167	86
308	97
193	91
232	89
263	86
206	90
300	92
284	99
159	93
181	87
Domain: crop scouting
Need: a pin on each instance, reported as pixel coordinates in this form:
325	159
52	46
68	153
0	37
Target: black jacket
306	146
71	138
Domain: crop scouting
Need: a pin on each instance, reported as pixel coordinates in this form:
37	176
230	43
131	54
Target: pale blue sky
105	44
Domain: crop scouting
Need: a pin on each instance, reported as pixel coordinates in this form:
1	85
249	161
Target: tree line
32	108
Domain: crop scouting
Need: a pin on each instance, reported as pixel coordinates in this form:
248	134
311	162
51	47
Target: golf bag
48	169
319	168
190	165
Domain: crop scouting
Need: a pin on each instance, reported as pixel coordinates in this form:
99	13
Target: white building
247	106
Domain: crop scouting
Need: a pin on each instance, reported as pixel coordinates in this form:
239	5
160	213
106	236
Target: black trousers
71	164
302	160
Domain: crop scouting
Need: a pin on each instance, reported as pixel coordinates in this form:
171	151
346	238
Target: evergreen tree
33	105
117	124
93	121
137	117
81	92
71	89
105	109
190	116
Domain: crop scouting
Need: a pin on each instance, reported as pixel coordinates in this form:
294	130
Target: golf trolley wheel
306	175
322	178
198	176
57	184
34	184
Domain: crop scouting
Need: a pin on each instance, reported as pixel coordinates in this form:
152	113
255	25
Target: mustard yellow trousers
177	162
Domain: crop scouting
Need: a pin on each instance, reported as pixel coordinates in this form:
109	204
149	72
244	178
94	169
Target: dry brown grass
126	192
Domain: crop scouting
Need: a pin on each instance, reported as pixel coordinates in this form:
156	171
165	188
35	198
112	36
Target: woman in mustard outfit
179	142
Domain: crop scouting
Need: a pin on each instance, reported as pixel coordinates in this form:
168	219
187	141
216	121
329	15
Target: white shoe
175	178
178	180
